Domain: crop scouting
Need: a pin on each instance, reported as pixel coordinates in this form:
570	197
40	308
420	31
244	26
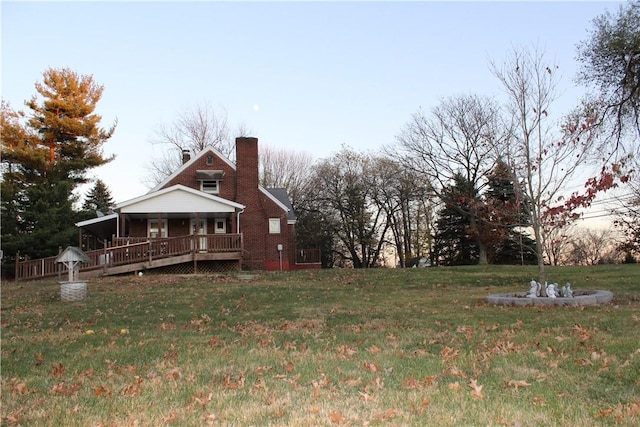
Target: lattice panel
203	267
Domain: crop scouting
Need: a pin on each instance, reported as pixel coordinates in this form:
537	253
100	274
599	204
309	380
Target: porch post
122	222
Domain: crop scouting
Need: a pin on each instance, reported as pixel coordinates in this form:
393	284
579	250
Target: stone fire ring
579	298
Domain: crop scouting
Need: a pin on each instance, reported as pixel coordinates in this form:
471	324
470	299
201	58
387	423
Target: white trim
96	220
178	187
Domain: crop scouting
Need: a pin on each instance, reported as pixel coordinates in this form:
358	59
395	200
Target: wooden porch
130	254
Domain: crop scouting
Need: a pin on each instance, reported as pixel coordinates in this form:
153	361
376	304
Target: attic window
209	160
210	187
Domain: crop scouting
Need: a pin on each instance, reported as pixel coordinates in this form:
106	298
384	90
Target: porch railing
308	256
132	250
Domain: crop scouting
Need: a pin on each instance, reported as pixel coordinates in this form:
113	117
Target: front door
199	227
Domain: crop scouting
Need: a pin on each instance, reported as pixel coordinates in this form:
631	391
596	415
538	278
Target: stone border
579	298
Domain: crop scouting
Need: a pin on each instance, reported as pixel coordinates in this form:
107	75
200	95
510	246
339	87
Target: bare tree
461	136
344	189
405	198
194	129
544	155
591	246
610	62
283	168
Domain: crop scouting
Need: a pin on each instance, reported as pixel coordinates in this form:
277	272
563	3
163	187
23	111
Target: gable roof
178	199
191	161
282	196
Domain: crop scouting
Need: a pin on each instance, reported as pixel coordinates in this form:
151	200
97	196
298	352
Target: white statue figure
552	290
534	290
566	291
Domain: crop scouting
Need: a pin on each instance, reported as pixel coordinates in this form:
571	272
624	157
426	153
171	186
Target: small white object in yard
140	273
552	290
534	290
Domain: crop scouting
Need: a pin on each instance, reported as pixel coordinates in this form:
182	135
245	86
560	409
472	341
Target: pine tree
454	241
504	215
45	156
98	198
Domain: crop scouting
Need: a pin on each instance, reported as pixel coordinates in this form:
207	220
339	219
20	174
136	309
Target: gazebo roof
73	254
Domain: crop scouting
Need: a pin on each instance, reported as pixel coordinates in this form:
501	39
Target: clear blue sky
301	75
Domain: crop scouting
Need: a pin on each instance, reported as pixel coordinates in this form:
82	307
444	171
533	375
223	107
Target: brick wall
262	246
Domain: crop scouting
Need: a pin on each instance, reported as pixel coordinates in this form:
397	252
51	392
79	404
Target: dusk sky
302	76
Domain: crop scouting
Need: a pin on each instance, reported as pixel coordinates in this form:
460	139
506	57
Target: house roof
190	162
282	196
278	195
178	199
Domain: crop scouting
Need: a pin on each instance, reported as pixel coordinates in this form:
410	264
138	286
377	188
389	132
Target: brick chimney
186	156
246	166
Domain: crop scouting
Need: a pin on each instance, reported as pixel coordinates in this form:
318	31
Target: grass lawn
336	347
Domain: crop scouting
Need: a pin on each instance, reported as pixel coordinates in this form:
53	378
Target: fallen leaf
454	386
337	418
101	390
57	370
448	354
516	384
386	415
370	366
477	388
20	388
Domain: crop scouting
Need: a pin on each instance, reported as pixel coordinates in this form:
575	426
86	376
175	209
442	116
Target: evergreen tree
504	215
45	156
454	241
98	198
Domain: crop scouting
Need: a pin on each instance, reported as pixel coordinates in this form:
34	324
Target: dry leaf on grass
477	388
337	417
516	384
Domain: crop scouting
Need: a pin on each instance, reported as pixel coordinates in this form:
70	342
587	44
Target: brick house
209	212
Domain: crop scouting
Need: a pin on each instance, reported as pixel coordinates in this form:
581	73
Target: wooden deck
138	254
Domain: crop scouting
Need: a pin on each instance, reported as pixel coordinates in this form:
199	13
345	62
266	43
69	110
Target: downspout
238	221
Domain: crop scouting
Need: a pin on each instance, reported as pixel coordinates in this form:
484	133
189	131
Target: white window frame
218	221
274	226
152	227
215	190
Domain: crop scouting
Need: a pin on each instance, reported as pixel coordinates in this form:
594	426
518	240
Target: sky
303	76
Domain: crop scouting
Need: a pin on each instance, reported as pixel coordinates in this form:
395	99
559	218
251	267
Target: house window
274	225
209	160
210	187
152	225
221	225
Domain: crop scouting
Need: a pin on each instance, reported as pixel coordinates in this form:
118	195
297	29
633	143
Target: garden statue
566	291
534	291
552	290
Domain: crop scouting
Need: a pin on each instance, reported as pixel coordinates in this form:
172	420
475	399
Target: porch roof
178	199
102	226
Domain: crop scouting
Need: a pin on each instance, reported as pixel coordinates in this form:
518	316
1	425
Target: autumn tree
545	155
45	156
461	136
